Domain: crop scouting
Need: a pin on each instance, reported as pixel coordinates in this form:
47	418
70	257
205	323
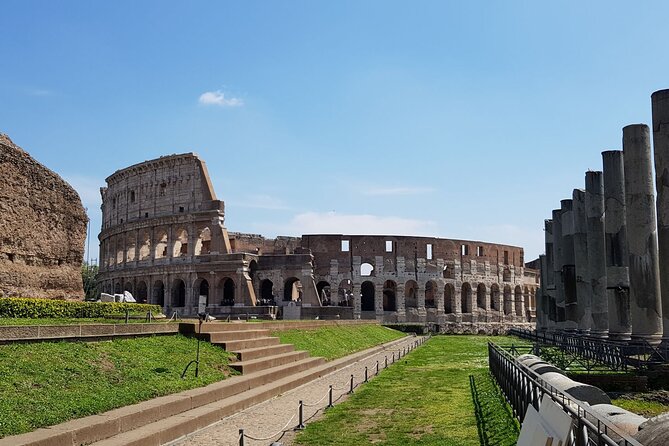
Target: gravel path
281	412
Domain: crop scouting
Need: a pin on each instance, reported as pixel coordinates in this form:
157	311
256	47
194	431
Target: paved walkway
277	414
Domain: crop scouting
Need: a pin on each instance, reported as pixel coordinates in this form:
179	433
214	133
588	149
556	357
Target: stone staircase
268	369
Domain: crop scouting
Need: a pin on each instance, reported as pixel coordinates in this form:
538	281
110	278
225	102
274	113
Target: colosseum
163	239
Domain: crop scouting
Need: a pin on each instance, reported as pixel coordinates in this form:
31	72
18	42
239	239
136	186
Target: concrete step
170	428
215	327
220	336
242	344
256	365
262	352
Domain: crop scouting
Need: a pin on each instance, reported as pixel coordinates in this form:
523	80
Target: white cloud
399	190
259	201
334	223
218	98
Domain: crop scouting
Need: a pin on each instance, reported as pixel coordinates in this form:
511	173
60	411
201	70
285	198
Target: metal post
365	373
300	424
351	391
127	315
241	437
386	361
330	397
377	367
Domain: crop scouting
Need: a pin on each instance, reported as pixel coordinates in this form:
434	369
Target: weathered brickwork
163	239
42	229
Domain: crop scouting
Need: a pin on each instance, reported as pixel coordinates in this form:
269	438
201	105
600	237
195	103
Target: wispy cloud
218	98
39	92
398	190
334	223
259	201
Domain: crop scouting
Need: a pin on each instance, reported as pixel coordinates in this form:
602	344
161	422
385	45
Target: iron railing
521	387
592	352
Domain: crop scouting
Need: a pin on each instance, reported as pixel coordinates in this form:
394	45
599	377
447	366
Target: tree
88	273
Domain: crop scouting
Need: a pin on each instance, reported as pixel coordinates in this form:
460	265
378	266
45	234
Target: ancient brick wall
42	229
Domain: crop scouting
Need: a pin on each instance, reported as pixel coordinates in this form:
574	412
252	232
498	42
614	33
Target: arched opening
508	300
389	296
430	291
449	271
480	296
159	293
323	289
117	288
366	269
178	293
518	297
367	296
129	288
449	296
180	244
142	294
494	297
119	251
130	250
267	292
253	267
506	275
145	248
292	290
227	287
161	245
202	289
466	298
203	243
345	294
410	292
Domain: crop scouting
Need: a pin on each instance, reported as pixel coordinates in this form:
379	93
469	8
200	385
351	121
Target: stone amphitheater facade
163	238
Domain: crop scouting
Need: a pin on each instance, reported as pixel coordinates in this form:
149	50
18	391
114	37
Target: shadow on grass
494	419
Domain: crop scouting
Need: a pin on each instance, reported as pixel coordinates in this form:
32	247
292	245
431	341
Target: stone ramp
166	418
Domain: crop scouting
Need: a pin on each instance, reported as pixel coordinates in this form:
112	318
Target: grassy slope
46	383
642	407
338	341
425	399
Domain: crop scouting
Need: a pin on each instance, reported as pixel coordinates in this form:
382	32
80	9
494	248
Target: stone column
401	305
420	303
583	285
617	277
549	291
557	268
378	302
540	307
594	212
569	266
357	304
660	101
644	272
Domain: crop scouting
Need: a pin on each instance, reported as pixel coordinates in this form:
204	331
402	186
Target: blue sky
462	119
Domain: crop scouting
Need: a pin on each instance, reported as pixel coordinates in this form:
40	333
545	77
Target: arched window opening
430	290
366	269
345	294
480	296
389	296
203	290
253	267
449	295
367	296
506	275
323	289
130	250
466	298
117	288
159	293
267	293
145	248
203	244
119	252
142	294
161	245
449	271
180	244
179	293
410	292
227	287
292	290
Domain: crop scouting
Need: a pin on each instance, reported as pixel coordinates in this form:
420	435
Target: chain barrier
350	383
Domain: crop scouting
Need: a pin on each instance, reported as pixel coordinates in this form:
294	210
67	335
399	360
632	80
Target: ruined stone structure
163	239
42	229
620	292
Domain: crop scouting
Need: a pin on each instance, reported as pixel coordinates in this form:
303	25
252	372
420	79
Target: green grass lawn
425	399
338	341
42	384
641	406
70	321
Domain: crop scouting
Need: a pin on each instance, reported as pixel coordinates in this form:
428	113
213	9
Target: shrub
47	308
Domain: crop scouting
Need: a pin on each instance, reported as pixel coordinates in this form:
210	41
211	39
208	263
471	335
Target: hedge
43	308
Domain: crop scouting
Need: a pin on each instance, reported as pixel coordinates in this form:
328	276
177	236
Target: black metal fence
522	387
594	352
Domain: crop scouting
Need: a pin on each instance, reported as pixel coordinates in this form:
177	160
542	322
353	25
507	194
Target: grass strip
46	383
338	341
424	399
11	321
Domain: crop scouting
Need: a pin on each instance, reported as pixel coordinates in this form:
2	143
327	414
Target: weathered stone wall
42	229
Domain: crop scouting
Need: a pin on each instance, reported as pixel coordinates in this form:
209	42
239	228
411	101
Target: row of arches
144	245
367	270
